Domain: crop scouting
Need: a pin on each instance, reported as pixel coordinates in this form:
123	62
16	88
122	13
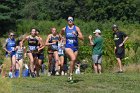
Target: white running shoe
62	73
66	73
57	73
10	75
49	73
70	79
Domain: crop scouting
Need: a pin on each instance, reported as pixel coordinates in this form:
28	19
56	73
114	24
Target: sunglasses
12	35
70	20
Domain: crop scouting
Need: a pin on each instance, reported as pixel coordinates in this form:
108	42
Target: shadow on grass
75	81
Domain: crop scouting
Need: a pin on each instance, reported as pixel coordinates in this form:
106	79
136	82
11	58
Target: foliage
8	15
87	10
83	9
22	15
85	50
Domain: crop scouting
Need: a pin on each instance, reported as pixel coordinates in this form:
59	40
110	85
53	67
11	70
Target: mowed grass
85	83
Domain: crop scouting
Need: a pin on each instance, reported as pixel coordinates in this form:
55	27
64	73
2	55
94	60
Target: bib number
19	56
54	47
32	48
12	48
70	41
60	51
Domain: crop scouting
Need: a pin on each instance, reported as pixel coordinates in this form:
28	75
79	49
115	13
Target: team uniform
33	45
10	46
118	39
19	60
60	49
71	39
40	54
19	53
53	47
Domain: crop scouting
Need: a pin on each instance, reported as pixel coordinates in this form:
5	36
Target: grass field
85	83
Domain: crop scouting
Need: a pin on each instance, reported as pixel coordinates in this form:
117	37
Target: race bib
60	51
19	56
32	48
54	47
70	41
12	48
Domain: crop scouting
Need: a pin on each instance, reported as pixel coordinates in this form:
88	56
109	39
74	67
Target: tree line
87	10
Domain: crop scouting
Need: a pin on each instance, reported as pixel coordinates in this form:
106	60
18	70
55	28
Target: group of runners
59	45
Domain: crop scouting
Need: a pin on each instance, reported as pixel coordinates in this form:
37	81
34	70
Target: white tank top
19	53
60	49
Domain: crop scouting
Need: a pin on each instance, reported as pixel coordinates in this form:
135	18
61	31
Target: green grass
85	83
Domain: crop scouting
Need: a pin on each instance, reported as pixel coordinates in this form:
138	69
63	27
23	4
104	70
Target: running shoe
120	72
65	73
10	75
33	75
70	79
57	73
62	73
49	73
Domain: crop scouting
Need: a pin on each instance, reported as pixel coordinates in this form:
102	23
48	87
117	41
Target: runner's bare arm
41	44
16	48
25	52
80	35
61	34
4	46
22	41
47	41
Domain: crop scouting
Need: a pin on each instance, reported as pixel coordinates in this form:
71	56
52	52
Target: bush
87	28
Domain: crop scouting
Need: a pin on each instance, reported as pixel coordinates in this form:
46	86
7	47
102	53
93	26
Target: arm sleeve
123	34
95	41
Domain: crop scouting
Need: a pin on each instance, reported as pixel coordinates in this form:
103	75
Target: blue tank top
11	44
71	39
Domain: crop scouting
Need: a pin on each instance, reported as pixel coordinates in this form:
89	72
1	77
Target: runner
61	54
52	43
65	65
40	54
19	59
9	47
33	49
72	33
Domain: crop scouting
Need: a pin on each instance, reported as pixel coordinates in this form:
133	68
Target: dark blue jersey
71	39
10	44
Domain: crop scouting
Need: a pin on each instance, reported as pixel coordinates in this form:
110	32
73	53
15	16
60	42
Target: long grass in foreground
86	83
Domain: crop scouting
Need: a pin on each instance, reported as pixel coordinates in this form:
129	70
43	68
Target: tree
8	14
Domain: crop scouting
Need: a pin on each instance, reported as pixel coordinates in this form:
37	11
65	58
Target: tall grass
5	85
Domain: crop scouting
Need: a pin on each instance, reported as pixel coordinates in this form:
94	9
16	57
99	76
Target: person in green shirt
97	44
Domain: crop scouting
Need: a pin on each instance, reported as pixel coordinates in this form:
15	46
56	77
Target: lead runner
72	33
